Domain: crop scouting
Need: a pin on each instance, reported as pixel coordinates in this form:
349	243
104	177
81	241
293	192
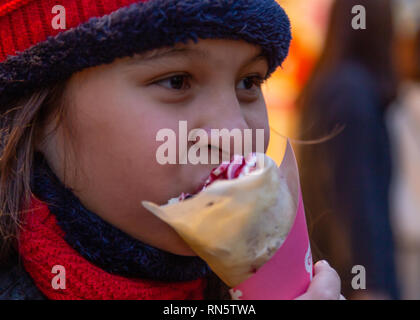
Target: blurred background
351	101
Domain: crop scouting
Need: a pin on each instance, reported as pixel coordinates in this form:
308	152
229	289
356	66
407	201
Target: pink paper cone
289	272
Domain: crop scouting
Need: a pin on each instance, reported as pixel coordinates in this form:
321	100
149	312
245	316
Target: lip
197	187
202	181
219	148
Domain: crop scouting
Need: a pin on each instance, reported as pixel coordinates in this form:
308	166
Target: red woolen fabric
24	23
42	246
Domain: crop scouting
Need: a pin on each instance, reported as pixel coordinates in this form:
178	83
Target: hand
326	284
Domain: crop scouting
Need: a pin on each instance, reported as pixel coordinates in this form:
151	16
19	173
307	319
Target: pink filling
237	167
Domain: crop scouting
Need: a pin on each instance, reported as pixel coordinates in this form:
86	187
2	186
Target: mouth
220	154
215	154
228	170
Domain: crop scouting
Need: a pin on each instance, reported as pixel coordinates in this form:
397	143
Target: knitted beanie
45	41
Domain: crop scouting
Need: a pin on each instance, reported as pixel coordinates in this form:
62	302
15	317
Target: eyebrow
260	56
167	53
182	52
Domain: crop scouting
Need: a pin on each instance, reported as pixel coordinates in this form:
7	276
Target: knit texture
133	29
42	246
103	244
24	23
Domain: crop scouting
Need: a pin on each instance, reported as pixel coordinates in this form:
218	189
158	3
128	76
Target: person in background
403	120
346	179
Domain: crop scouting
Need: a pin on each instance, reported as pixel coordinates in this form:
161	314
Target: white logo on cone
308	261
235	294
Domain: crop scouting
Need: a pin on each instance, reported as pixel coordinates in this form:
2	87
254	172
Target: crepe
235	225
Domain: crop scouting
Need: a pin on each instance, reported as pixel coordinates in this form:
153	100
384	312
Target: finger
326	284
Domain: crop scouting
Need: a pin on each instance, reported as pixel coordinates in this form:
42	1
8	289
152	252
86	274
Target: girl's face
116	110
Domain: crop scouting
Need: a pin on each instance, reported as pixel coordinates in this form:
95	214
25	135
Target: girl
80	111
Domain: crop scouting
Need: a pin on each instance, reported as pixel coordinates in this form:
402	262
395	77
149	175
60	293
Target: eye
250	82
175	82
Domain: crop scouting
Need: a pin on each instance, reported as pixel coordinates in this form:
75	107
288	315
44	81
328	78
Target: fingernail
325	262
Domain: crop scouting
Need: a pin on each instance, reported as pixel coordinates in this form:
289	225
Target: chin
172	242
183	251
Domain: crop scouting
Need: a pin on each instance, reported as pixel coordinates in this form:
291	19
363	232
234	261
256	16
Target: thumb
326	284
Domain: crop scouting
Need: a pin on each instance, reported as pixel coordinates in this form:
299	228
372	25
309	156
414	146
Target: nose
224	120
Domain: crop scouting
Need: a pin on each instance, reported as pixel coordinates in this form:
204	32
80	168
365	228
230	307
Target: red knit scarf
42	246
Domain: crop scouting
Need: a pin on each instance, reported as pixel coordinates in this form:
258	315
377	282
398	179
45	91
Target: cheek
117	148
257	118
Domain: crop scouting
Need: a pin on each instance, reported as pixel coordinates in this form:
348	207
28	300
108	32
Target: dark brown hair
416	56
372	47
20	125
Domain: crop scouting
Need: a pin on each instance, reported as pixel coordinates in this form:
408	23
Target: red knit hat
34	54
24	23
